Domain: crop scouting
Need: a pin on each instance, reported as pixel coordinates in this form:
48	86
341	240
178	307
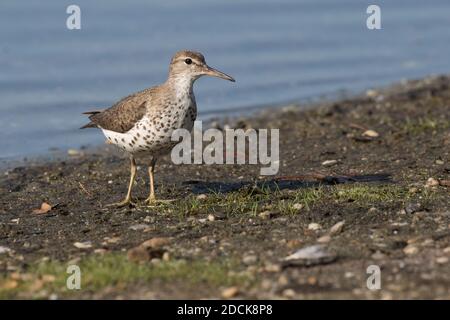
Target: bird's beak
216	73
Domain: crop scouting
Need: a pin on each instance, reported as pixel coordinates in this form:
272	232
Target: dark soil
378	187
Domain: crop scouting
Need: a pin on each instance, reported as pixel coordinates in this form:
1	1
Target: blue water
278	51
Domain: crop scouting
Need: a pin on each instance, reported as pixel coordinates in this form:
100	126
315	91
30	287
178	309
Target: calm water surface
278	51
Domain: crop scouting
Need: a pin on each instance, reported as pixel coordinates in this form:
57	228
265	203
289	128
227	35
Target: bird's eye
188	61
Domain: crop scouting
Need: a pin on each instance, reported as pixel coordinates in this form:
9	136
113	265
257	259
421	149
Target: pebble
298	206
413	207
314	226
311	255
370	133
442	260
202	196
83	245
266	215
140	226
4	250
166	256
250	259
100	251
337	228
211	217
230	292
328	163
155	242
324	239
371	93
439	162
272	268
74	152
288	293
138	254
149	219
410	249
431	182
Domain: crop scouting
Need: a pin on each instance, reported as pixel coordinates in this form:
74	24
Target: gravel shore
362	181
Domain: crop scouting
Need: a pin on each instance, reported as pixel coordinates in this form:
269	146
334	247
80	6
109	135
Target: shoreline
221	117
364	179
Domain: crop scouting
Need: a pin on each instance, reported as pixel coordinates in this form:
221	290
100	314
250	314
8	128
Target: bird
142	123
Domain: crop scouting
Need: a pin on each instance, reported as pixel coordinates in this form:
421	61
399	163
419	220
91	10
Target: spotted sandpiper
142	123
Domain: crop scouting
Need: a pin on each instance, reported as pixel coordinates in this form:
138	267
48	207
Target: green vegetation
424	125
256	200
115	270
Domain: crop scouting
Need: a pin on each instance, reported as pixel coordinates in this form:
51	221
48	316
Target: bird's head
192	65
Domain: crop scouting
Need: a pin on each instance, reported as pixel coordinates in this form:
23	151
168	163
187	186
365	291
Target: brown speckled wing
122	116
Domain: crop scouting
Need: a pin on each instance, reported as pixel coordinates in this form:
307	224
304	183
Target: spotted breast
152	132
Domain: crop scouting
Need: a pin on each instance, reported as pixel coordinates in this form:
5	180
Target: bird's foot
152	201
124	203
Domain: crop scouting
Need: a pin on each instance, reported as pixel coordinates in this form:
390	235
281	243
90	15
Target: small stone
442	260
288	293
410	250
100	251
314	226
298	206
202	196
83	245
230	292
413	207
444	183
439	162
4	250
370	133
431	182
156	242
166	256
337	228
413	190
372	210
211	217
141	254
138	227
266	215
74	152
249	260
324	239
329	163
311	255
371	93
282	280
272	268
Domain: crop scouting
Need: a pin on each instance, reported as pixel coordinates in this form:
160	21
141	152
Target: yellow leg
151	170
151	200
127	199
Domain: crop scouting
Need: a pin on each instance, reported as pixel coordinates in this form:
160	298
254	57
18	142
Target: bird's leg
152	198
127	199
151	170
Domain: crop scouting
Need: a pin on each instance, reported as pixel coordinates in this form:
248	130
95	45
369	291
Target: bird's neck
181	84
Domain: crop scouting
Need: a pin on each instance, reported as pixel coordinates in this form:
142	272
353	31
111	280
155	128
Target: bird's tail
90	124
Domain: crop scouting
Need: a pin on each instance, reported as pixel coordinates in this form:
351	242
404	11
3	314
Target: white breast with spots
153	134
